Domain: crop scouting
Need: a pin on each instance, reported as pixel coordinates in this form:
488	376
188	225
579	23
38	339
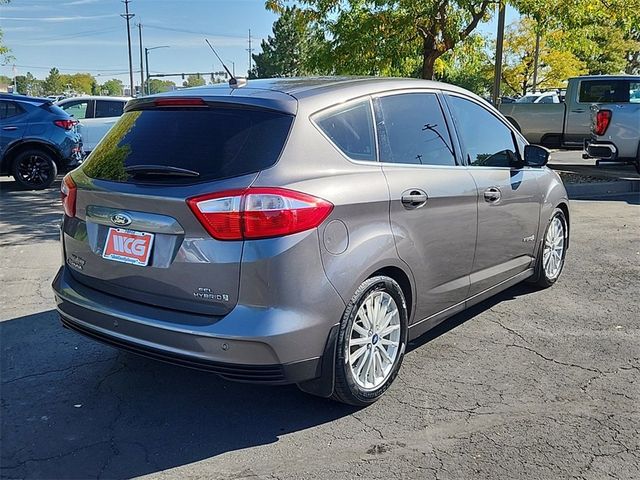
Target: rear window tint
350	128
109	108
604	91
217	143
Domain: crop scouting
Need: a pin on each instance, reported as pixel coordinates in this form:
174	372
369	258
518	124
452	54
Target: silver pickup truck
616	132
568	124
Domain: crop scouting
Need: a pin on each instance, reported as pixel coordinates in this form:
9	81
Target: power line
183	30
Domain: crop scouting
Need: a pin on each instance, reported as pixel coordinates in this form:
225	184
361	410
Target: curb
585	190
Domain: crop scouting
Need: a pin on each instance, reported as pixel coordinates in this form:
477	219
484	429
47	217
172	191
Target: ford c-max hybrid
303	230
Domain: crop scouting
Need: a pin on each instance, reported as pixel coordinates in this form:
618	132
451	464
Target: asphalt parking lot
530	384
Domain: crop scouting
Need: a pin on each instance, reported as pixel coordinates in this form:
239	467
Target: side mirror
536	156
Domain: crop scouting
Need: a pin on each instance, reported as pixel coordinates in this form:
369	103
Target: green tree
53	84
194	81
29	85
157	86
292	50
555	65
113	87
391	37
469	66
79	83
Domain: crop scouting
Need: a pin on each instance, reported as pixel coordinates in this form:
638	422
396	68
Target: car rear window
604	91
216	143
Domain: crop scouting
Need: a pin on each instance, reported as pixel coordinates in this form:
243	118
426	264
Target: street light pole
128	16
146	57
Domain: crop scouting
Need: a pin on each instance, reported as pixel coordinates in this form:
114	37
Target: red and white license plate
128	246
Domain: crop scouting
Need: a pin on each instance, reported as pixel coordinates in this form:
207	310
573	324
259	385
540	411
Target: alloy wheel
374	341
34	170
553	252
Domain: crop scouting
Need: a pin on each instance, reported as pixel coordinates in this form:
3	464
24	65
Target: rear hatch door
134	235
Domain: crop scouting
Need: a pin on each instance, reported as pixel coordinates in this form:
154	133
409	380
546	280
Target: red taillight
66	124
179	102
68	195
258	213
603	117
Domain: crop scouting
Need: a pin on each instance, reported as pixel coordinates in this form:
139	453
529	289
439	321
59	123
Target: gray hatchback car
303	230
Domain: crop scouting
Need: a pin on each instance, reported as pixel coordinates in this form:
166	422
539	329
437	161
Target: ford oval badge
120	219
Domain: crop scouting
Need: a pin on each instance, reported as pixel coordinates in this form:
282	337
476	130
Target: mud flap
323	385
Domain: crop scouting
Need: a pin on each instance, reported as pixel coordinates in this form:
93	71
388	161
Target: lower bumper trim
266	374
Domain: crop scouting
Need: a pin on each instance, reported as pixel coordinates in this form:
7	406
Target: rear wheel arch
565	209
14	151
401	277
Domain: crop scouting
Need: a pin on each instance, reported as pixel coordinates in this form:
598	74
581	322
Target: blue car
37	140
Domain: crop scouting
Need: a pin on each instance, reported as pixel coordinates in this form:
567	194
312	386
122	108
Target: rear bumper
600	150
262	349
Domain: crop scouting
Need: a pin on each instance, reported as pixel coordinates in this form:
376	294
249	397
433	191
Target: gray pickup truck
615	132
568	124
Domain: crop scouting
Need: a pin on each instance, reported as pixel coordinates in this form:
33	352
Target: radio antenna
234	81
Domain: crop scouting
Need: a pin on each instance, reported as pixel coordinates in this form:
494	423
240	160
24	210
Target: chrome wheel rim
553	252
374	341
34	170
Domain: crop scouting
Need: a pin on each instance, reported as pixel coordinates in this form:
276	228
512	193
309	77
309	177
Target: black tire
34	169
346	389
540	278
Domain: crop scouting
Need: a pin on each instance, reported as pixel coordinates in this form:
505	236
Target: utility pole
535	59
141	69
499	47
128	16
250	50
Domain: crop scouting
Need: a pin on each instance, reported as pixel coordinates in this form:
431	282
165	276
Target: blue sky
90	36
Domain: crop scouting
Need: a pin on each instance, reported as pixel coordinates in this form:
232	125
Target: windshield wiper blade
160	170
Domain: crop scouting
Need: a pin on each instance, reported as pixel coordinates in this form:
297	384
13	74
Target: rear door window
350	128
604	91
109	108
413	130
215	143
9	109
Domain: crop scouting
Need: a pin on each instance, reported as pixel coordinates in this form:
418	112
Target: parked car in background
541	97
37	140
303	230
96	115
616	132
568	124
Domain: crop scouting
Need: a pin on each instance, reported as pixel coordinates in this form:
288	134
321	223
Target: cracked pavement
529	384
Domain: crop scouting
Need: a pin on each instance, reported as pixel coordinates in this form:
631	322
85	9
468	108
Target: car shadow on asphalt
28	216
74	408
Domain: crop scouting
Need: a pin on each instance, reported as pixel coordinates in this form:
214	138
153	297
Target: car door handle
492	194
9	128
414	198
579	110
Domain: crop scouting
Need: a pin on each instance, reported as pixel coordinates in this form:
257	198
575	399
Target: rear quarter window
350	128
216	143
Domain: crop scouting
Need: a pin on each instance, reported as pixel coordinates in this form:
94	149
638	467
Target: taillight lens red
68	192
258	213
603	118
66	124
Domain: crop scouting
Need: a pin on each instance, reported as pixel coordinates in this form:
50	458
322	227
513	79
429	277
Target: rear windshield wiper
163	170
